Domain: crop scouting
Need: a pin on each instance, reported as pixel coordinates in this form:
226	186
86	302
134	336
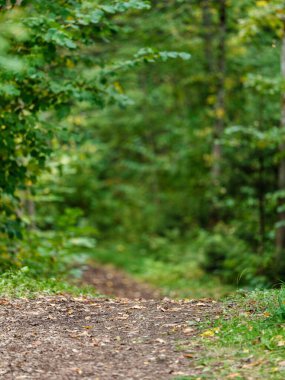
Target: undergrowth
21	283
248	340
171	267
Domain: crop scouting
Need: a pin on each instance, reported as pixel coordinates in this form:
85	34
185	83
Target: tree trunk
208	37
261	204
30	209
280	233
220	102
9	5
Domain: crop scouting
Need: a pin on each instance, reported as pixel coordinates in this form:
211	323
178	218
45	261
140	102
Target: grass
247	341
18	284
170	266
174	268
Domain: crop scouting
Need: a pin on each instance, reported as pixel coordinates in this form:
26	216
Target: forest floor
77	338
136	335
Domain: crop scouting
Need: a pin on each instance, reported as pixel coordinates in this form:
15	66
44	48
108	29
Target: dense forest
146	134
142	189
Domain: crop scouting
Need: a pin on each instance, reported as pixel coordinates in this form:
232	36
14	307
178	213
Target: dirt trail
112	281
65	338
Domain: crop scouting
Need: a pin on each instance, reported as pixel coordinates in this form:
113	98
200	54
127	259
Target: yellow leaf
69	63
262	144
28	182
211	99
207	334
261	3
279	340
220	113
78	120
210	333
118	87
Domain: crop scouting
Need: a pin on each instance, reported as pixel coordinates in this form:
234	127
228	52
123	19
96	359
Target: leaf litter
66	338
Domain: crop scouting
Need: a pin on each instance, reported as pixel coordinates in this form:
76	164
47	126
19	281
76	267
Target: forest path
60	337
115	282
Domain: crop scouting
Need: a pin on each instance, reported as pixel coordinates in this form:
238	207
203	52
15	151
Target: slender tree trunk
208	36
261	205
220	102
9	4
280	233
30	209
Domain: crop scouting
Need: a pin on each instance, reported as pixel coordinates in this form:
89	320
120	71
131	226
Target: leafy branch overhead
48	51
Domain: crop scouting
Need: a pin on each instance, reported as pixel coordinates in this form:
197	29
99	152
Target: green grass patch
18	284
248	340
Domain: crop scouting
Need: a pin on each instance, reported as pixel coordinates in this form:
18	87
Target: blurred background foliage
145	134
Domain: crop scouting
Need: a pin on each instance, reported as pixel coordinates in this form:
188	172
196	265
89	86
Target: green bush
229	257
51	252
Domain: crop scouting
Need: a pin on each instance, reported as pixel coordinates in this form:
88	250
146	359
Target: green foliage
170	266
279	313
18	284
140	171
229	257
47	82
54	252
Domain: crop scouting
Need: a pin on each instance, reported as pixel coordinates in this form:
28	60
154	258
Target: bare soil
60	337
112	281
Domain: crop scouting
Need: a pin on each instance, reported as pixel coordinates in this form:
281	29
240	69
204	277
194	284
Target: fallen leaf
233	376
253	364
188	356
210	333
4	302
78	370
124	316
207	334
138	307
188	330
158	340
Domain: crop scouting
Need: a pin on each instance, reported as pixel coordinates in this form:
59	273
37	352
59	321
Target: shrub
227	256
